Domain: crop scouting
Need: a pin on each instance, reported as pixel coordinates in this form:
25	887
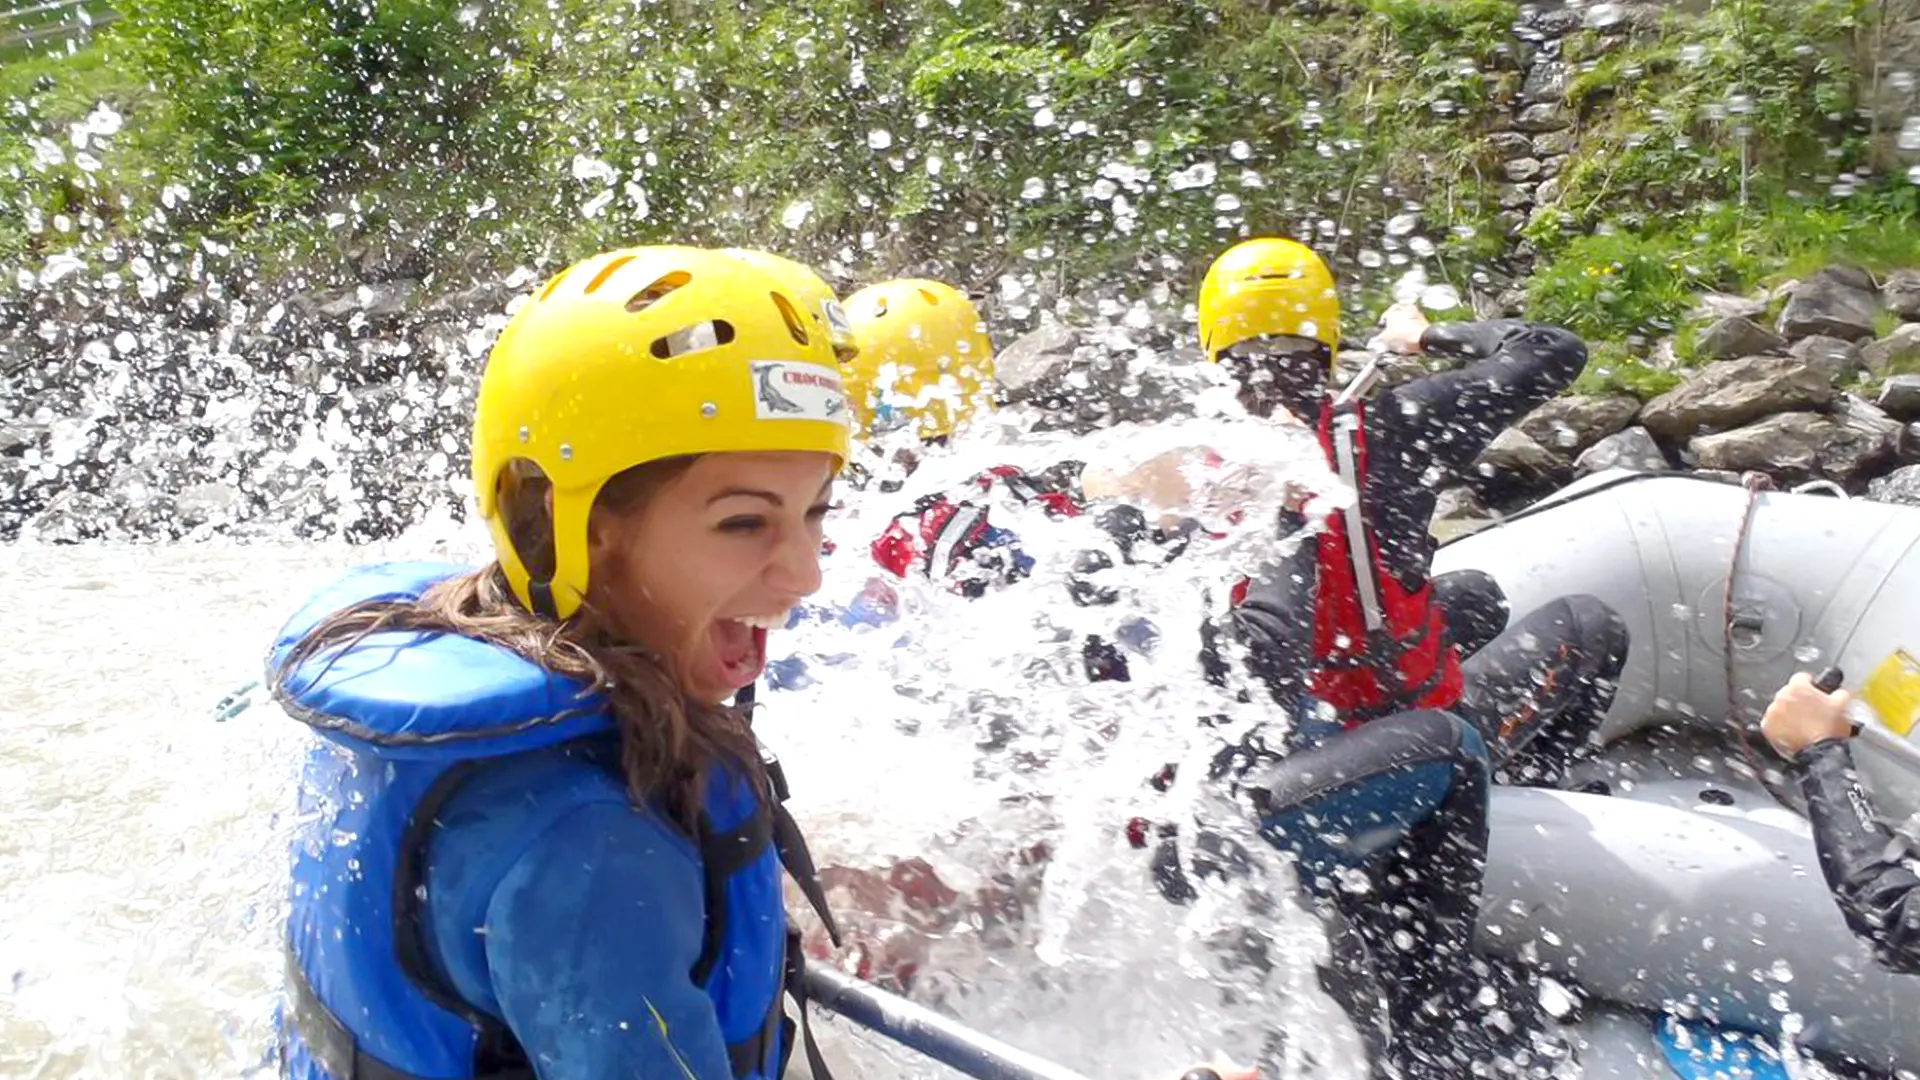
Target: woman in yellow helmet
539	839
538	836
924	358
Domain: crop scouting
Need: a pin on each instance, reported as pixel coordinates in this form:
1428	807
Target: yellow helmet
924	355
634	356
813	292
1266	288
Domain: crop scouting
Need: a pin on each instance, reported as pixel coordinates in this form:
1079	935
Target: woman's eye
743	524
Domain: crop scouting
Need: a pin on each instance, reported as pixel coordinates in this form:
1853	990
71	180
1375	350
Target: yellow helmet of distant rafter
1267	287
637	355
924	356
813	291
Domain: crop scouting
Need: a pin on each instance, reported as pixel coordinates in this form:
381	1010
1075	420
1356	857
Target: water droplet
879	139
1198	175
1226	203
796	213
1043	117
1240	151
526	435
1910	134
566	452
1034	189
805	49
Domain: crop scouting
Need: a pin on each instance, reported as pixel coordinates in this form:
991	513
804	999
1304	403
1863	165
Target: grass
1613	369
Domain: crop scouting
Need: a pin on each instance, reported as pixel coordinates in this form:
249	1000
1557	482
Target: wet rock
1836	357
1520	170
1799	446
1551	22
481	299
199	504
1514	460
73	517
1033	356
1606	16
1458	504
1838	301
1571	424
1717	305
1901	293
1550	169
1896	354
1546	82
17	435
1082	380
16	353
1899	486
1510	144
1548	192
1508	223
1555	144
1633	449
1738	336
1514	196
1728	393
1899	397
1870	441
1542	117
381	302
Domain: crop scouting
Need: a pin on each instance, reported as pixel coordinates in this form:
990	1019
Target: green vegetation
963	137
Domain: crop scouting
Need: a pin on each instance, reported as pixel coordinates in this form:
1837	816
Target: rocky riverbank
262	410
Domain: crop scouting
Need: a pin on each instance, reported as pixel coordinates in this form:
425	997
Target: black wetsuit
1402	798
1866	866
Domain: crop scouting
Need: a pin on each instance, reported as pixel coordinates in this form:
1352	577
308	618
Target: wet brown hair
668	741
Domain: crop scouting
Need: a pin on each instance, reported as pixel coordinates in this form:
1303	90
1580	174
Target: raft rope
1755	483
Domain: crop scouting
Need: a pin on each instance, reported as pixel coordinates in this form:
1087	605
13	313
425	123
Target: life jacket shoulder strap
1346	434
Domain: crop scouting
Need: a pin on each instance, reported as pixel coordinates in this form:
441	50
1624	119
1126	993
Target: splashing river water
142	866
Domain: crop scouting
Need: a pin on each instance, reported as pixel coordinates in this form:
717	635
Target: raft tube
1816	581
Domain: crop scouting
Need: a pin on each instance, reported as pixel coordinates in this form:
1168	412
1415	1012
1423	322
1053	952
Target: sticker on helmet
788	390
838	325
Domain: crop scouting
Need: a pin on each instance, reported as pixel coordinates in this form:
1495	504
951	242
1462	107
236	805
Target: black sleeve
1275	621
1515	367
1864	863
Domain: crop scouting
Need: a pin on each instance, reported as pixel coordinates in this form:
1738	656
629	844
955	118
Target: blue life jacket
404	717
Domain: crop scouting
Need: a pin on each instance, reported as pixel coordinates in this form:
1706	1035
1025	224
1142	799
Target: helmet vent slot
555	283
657	291
606	272
795	325
701	335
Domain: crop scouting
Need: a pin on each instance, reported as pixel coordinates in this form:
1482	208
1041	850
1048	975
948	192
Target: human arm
587	940
1863	862
1513	367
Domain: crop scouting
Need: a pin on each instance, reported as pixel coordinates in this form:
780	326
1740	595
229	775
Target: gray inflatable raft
1690	889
